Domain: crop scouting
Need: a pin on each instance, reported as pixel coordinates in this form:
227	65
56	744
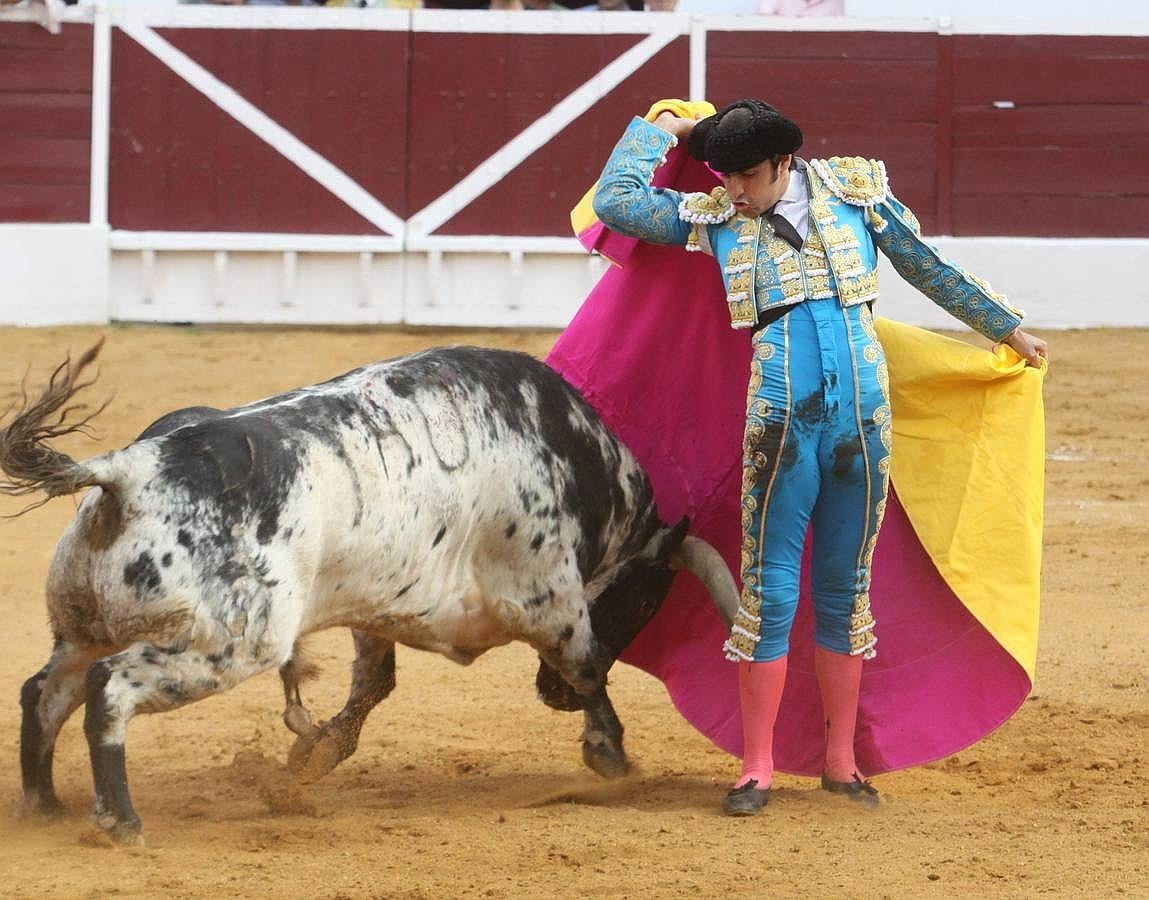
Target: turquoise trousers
815	457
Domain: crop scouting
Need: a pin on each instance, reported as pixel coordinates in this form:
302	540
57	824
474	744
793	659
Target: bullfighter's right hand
676	125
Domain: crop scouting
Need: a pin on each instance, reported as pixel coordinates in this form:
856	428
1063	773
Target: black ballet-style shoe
747	800
858	789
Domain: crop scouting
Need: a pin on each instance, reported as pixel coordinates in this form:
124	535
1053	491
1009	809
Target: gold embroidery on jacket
739	270
706	209
860	289
853	179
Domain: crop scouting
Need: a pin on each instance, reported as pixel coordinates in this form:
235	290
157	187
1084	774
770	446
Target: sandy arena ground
464	785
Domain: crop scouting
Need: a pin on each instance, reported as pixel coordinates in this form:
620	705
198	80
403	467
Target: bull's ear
672	538
666	541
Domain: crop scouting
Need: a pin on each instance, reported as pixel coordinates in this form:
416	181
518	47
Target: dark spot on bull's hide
439	536
267	528
845	454
166	560
288	533
177	419
136	684
566	634
510	532
406	588
238	470
217	658
142	574
185	540
175	690
230	571
537	542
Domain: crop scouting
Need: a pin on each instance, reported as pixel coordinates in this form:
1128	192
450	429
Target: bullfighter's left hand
1032	349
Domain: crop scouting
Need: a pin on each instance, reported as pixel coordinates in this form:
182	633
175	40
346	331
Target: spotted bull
453	500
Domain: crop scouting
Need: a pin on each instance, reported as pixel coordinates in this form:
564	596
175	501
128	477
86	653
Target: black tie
785	230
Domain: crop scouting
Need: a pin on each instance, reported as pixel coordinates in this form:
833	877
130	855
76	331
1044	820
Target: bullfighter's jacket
852	212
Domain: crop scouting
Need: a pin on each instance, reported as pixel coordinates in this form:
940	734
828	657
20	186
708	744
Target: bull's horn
709	568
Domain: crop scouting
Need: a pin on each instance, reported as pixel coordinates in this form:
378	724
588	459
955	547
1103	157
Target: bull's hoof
316	753
605	759
298	720
122	832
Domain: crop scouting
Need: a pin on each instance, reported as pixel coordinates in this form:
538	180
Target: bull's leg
321	749
47	699
602	737
295	714
578	657
602	748
573	674
145	678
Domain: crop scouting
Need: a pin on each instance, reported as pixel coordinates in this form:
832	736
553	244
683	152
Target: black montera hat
742	135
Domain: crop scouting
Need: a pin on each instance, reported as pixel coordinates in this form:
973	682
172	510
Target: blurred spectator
800	8
719	7
636	5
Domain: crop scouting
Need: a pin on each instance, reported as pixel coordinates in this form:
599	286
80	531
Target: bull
453	500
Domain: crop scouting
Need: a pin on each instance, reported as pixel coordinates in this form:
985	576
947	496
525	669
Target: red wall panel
178	162
494	87
1067	155
45	123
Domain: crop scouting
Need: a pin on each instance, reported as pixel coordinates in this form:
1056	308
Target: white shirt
794	206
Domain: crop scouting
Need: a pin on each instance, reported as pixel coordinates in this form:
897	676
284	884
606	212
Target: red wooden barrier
45	123
408	114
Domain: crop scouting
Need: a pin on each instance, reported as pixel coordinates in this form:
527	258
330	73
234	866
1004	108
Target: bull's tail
29	464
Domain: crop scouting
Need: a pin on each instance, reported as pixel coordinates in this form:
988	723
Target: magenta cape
653	351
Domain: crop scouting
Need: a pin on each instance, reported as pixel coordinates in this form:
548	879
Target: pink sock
839	681
760	691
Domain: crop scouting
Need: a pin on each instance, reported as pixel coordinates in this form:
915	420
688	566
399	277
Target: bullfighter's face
757	189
